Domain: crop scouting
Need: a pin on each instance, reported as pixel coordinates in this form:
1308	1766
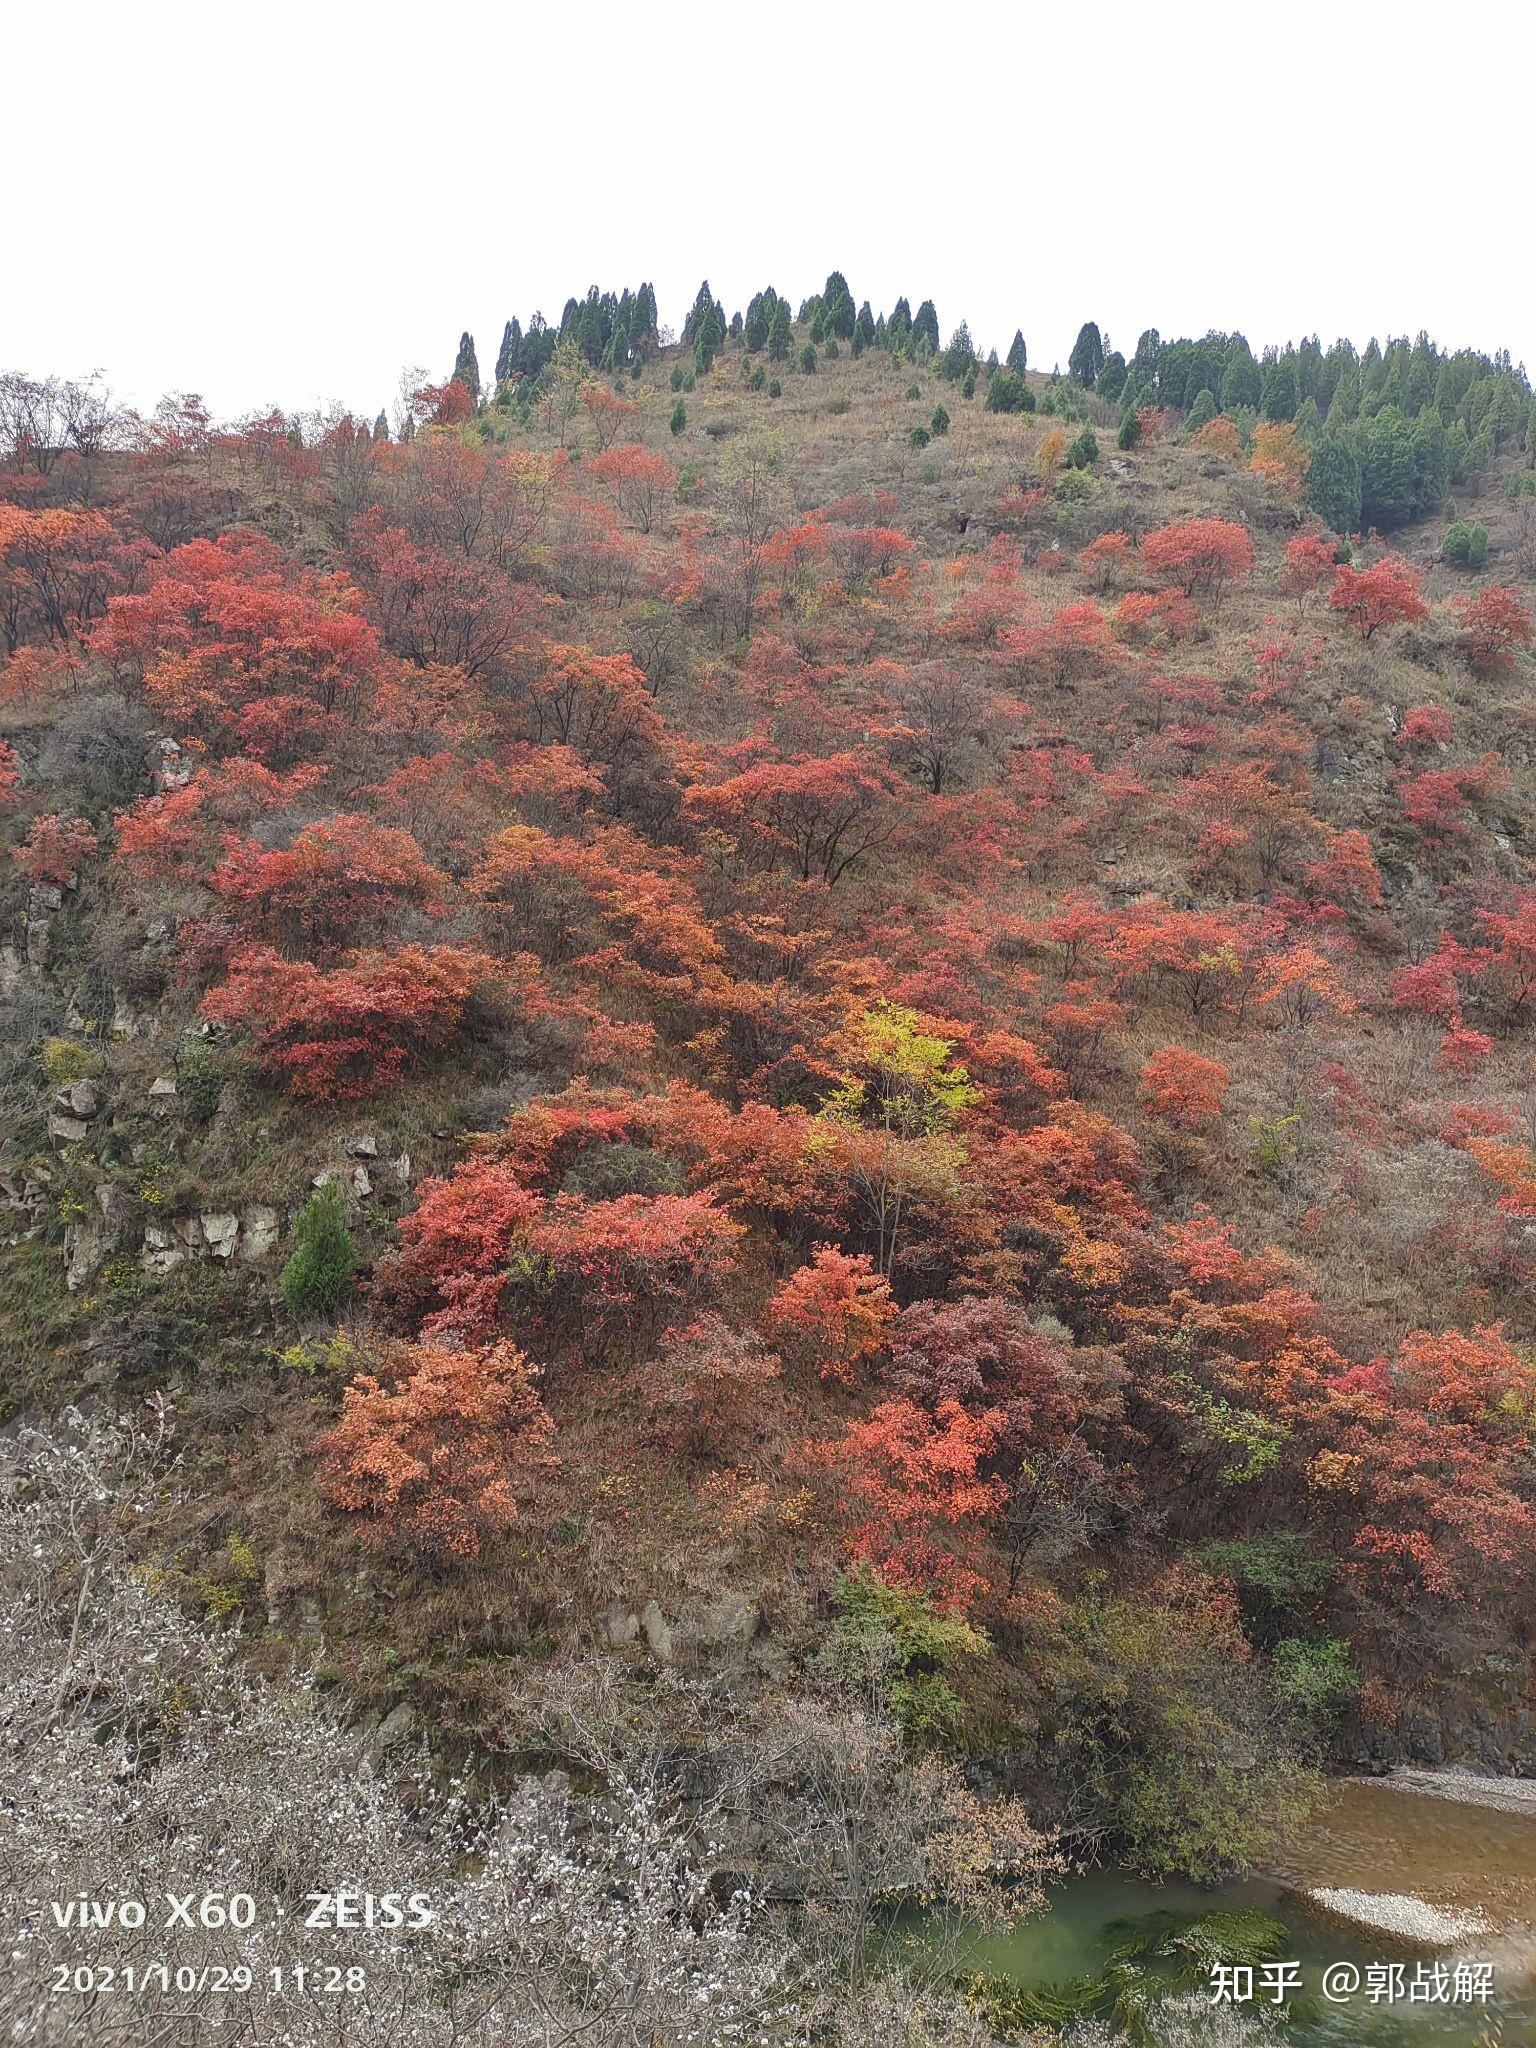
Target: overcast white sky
288	201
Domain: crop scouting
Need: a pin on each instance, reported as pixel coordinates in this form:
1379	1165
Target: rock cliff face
135	1121
1485	1720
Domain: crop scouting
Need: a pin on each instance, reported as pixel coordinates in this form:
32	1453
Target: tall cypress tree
1087	357
1017	358
506	355
1112	378
1240	384
1333	484
466	369
754	329
1279	388
705	314
838	315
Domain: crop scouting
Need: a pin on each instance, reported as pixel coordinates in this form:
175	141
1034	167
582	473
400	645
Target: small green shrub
1274	1140
895	1641
63	1061
1007	392
1465	547
1316	1680
318	1278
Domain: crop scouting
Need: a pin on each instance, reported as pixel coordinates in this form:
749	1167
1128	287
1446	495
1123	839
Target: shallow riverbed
1422	1862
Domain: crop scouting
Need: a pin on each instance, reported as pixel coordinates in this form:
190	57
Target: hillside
807	1016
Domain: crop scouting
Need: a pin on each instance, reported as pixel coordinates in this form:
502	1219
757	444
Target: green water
1373	1837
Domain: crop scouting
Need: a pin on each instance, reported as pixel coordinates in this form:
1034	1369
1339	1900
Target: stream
1473	1864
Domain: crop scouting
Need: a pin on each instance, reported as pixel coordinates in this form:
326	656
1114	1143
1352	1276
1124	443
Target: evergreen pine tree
506	355
1333	484
1007	392
1279	391
318	1277
1143	368
1111	379
466	370
1017	357
837	312
701	314
1240	380
1087	357
960	357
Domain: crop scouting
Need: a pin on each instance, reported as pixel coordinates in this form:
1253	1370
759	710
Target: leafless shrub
141	1759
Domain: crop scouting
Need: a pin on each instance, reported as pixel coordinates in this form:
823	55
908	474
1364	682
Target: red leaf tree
343	1033
1386	594
443	1453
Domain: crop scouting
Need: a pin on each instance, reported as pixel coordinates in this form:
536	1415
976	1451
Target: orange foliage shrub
442	1455
1184	1089
54	848
836	1312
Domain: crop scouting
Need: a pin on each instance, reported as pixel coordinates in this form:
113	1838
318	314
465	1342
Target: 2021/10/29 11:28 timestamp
101	1979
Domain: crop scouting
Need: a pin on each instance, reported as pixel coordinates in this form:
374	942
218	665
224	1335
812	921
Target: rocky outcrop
89	1240
698	1630
1486	1718
44	902
80	1098
260	1228
211	1234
